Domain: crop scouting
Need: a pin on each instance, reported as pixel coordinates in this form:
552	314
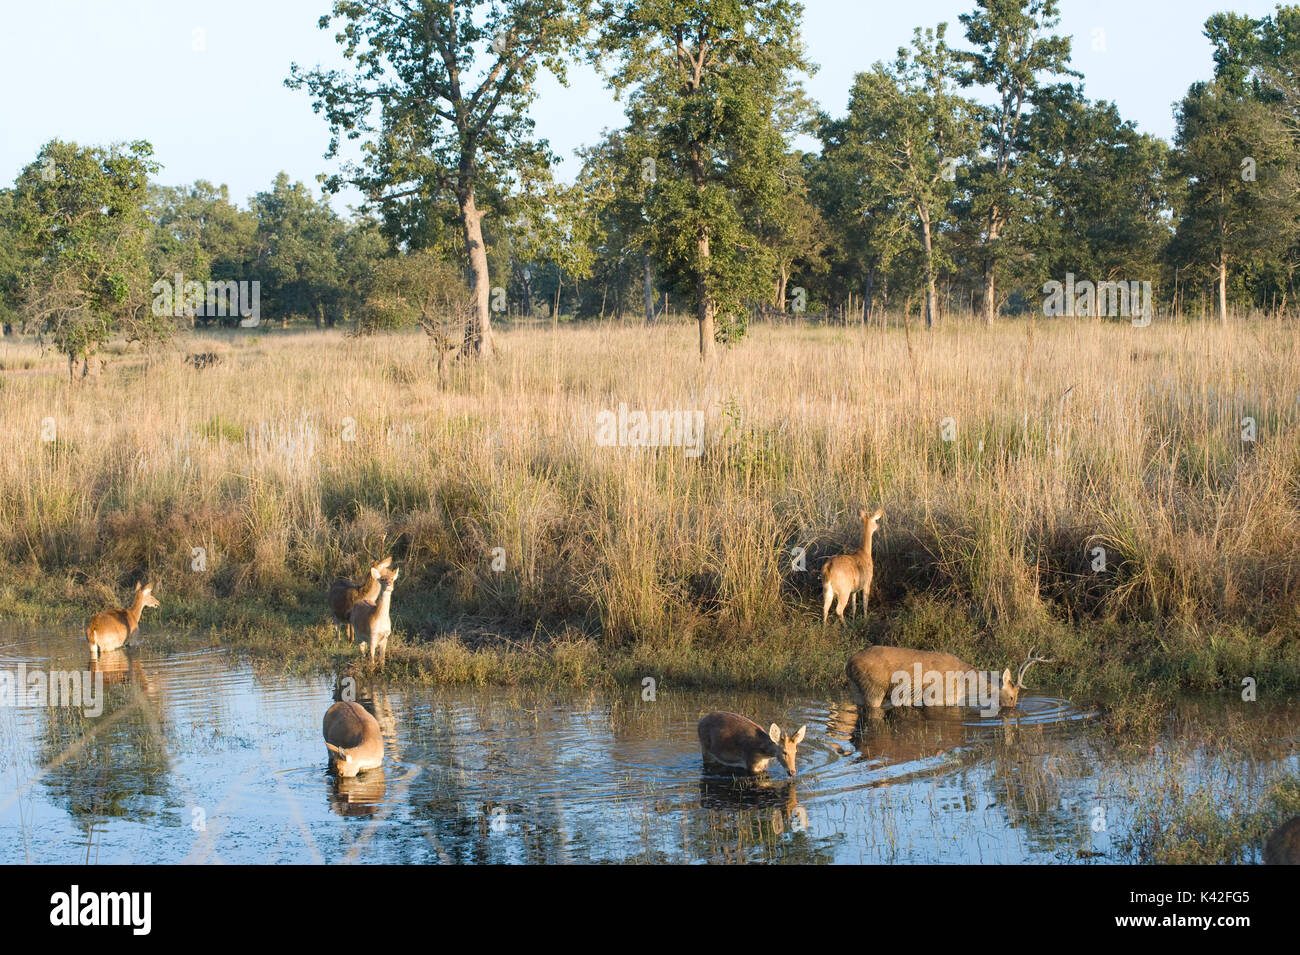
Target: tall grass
1003	459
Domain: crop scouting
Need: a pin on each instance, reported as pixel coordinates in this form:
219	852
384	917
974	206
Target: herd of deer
354	740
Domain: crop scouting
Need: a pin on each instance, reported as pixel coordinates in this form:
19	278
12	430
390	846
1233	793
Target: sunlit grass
302	455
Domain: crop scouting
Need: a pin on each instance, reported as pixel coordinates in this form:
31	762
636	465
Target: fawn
344	594
371	624
109	629
845	574
875	670
729	739
352	738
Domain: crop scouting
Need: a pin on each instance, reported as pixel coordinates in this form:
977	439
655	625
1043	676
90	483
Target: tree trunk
929	272
706	304
479	337
990	297
1223	288
649	289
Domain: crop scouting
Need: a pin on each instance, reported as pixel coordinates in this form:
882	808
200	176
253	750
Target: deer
737	742
352	738
845	574
344	594
873	672
371	624
1282	847
110	629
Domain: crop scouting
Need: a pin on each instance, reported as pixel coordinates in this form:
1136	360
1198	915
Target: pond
199	757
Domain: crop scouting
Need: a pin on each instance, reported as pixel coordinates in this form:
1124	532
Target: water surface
200	758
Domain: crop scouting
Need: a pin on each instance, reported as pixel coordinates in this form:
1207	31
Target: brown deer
928	678
344	594
352	738
110	629
737	742
845	574
371	623
1282	847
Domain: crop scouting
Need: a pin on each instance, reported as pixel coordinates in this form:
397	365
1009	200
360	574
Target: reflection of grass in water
1219	820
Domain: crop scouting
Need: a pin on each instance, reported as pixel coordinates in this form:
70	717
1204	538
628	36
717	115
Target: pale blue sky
203	81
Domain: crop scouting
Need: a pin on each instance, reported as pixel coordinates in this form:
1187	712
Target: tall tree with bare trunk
443	88
713	89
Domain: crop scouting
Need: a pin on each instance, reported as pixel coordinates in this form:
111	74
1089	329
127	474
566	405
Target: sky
204	81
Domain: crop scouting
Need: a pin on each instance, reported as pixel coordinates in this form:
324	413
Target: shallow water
198	757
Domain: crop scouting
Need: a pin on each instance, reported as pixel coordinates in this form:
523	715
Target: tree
295	250
905	134
200	233
615	173
712	83
423	289
1106	210
1238	163
1013	47
451	83
79	214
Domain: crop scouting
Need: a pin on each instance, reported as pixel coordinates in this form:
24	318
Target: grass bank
1124	499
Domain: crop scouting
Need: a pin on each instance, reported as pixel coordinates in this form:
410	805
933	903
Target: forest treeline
966	174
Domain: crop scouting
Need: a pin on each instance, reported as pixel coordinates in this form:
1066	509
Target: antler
1024	667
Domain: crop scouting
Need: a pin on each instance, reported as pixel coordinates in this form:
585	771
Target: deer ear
396	571
374	572
1006	677
774	733
137	585
798	737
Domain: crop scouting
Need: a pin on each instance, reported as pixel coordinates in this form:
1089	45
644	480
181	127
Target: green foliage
712	86
78	216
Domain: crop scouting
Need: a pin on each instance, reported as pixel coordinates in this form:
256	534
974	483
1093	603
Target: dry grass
303	454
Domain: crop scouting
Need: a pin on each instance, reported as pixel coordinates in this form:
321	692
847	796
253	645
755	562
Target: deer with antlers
928	678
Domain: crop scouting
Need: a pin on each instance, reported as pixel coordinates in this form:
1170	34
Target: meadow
1125	499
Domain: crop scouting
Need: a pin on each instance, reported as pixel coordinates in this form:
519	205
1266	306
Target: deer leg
828	597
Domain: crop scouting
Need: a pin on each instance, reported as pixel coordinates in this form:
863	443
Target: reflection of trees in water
114	764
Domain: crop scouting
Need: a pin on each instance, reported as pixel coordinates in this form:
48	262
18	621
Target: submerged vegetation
1123	499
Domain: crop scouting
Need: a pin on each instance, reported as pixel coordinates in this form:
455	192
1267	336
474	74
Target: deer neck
381	608
134	611
864	555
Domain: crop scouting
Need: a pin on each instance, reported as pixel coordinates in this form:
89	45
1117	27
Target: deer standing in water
845	574
344	594
874	672
110	629
352	738
737	742
371	624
